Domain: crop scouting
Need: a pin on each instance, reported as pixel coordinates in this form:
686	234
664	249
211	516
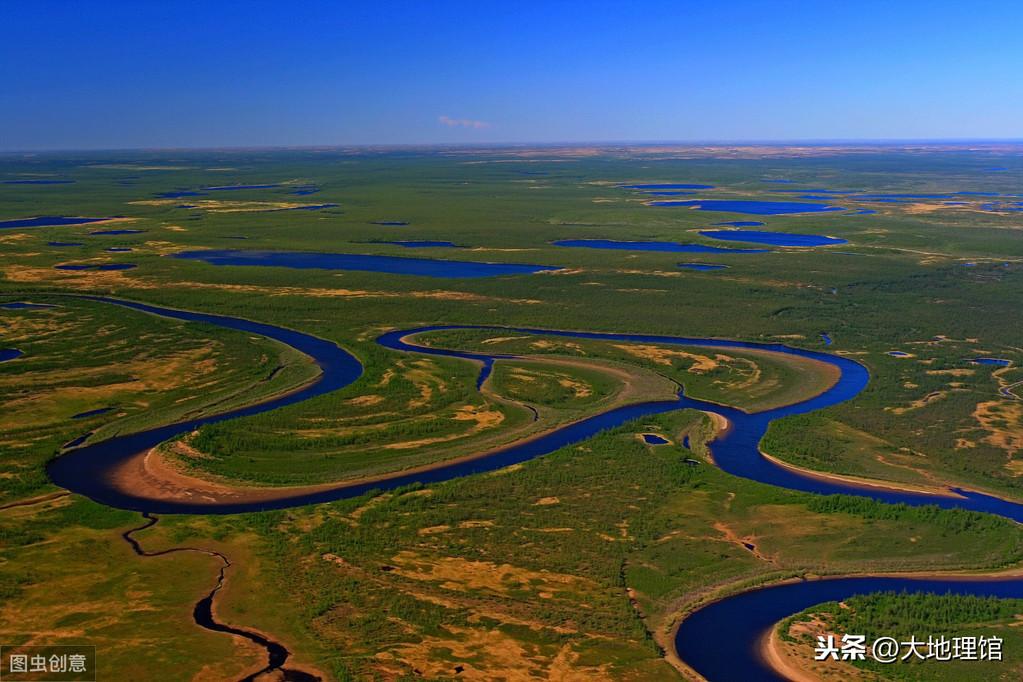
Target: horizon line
777	142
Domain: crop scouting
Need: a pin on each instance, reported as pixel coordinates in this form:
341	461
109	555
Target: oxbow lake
48	221
108	233
426	267
749	206
773	238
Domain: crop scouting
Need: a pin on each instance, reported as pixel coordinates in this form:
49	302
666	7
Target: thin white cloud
462	123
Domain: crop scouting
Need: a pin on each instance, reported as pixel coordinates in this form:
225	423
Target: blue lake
702	266
47	221
63	244
1001	362
389	222
419	244
351	261
311	207
751	207
654	439
9	354
95	266
177	194
773	238
672	247
898	354
662	186
101	233
91	413
305	190
826	338
38	182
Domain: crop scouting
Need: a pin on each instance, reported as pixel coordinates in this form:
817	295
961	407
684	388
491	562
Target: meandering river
720	640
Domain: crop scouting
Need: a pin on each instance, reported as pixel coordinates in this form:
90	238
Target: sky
114	75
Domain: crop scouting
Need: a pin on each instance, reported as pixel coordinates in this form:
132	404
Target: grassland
904	616
81	357
576	564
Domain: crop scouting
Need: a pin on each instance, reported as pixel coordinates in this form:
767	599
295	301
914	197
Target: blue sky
79	75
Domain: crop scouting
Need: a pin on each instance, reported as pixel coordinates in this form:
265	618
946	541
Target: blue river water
718	640
751	207
22	305
426	267
702	266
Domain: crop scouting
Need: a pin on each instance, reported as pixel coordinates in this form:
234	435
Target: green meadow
577	563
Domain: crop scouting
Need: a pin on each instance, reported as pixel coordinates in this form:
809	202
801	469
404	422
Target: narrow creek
277	654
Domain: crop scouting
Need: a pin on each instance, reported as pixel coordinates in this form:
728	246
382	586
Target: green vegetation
747	379
538	566
81	356
903	616
553	385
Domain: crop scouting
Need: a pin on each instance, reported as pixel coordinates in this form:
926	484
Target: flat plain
577	564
